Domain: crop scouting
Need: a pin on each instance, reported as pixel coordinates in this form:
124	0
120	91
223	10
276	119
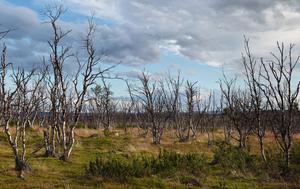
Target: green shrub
295	154
155	182
171	161
148	182
80	125
222	183
295	161
232	158
106	132
190	180
123	126
114	167
12	123
119	167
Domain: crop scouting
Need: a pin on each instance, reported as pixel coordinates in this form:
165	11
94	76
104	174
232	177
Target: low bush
80	125
169	161
295	161
107	132
12	123
123	126
232	158
295	154
120	167
190	181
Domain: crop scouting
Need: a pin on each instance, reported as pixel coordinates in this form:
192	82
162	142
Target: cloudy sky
199	38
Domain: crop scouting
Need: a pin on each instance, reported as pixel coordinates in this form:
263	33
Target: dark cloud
24	21
127	44
210	31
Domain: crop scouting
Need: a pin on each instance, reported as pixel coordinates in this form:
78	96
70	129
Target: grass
92	144
122	167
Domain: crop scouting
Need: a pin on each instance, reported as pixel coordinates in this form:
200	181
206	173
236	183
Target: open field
52	173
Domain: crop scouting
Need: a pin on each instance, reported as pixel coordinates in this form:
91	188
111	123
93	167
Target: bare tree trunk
286	169
262	149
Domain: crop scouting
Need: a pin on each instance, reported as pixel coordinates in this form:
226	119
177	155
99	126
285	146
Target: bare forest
71	130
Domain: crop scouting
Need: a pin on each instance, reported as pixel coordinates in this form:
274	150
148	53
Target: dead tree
107	105
187	129
57	83
88	71
211	116
152	101
136	111
127	108
253	78
281	92
124	114
7	99
141	118
103	105
18	107
170	87
238	109
167	101
65	112
44	118
227	128
96	105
